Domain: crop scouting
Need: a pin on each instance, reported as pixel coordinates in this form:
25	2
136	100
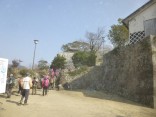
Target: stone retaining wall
127	71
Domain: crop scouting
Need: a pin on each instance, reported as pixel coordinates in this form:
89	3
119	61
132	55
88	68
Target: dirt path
71	104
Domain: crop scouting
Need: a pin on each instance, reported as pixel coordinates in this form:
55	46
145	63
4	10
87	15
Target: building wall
137	23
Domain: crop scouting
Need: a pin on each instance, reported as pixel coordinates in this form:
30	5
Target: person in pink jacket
45	84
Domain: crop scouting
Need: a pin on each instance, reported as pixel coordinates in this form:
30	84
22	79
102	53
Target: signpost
3	74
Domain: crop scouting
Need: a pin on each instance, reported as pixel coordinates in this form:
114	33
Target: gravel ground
72	104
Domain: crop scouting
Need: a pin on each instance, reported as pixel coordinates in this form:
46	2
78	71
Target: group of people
26	83
24	86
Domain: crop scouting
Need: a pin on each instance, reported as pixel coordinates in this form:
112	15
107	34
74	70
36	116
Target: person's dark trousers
25	94
45	91
20	89
8	90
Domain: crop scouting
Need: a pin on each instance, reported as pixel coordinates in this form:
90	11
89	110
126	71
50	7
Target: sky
54	23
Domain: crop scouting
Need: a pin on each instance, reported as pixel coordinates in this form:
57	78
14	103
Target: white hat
11	75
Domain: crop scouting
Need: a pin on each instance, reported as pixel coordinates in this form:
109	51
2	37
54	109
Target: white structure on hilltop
142	22
69	63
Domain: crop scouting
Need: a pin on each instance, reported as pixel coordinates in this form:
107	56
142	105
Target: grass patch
78	71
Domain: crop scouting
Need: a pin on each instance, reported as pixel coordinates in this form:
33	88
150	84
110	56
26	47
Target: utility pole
35	42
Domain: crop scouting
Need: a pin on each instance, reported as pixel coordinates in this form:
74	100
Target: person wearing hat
26	85
9	85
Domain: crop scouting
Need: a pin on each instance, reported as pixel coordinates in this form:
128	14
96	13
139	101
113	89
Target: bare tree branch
96	39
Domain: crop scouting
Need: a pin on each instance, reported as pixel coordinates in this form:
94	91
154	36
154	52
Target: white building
68	56
142	22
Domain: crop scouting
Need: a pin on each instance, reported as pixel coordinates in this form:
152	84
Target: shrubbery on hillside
84	58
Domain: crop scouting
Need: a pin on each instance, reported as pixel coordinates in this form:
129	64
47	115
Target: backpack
34	82
45	82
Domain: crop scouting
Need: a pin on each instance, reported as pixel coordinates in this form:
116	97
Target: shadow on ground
2	96
13	102
1	107
107	96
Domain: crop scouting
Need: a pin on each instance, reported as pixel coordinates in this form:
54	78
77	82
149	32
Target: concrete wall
137	23
128	71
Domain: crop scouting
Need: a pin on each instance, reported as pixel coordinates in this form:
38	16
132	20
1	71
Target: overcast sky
54	23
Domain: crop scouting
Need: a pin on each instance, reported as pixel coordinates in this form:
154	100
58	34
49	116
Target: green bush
58	62
84	58
23	72
91	59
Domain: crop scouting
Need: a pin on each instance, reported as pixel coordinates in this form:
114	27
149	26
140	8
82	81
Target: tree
43	64
42	67
75	46
82	58
118	34
16	63
95	40
14	68
23	72
91	59
58	62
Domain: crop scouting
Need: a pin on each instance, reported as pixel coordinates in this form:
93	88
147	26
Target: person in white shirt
26	85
